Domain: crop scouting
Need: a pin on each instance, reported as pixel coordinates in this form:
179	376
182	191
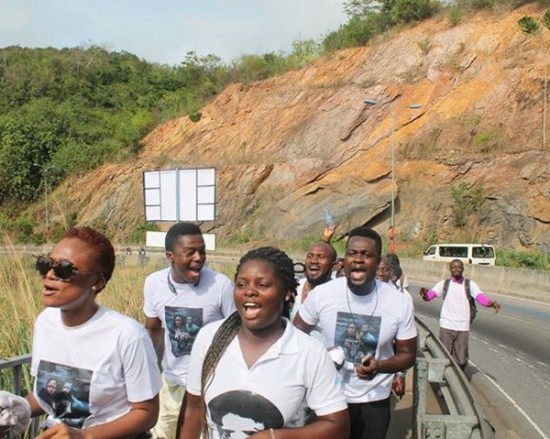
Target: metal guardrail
11	371
437	374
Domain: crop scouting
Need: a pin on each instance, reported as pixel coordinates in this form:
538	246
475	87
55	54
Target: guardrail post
420	396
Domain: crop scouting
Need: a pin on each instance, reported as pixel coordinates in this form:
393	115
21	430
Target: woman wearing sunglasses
107	358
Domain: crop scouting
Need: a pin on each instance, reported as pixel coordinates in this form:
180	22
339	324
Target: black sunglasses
63	270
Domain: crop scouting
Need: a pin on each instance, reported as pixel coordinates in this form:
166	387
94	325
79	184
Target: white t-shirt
193	306
296	368
298	300
402	290
360	325
315	332
455	311
97	368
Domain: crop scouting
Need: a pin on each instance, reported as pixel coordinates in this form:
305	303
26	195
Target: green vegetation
65	112
546	19
425	45
466	202
523	259
528	24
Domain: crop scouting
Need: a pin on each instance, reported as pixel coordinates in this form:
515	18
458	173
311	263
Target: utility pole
544	113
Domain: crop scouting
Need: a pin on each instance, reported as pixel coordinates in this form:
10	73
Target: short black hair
394	259
367	233
278	259
177	230
104	251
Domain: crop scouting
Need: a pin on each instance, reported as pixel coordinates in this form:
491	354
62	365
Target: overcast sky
164	31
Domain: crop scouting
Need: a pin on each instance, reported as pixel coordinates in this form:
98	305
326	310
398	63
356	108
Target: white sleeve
407	327
324	395
141	371
227	298
198	352
308	310
438	288
474	289
148	292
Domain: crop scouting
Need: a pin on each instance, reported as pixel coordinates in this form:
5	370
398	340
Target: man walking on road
181	299
458	294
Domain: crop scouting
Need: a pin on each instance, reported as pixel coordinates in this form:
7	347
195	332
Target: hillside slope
287	147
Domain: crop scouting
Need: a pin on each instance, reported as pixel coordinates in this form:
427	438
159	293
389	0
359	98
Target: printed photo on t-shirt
183	325
240	413
66	391
357	334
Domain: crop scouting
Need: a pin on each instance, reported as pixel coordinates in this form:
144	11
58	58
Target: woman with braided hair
249	374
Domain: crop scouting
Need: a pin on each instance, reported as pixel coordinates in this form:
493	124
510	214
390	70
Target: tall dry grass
21	300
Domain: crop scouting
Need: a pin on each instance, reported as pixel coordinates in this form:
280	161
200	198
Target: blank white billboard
180	195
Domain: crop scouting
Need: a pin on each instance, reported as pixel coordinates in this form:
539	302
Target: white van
475	254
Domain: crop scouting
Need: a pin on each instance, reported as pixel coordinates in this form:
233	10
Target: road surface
510	362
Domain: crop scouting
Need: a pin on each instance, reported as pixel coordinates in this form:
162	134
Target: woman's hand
62	431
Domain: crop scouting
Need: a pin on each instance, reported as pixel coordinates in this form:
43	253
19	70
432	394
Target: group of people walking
236	362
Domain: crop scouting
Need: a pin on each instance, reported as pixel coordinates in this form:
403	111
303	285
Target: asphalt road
509	363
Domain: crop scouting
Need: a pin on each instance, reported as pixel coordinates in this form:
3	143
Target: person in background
387	273
384	317
185	289
231	391
111	354
398	278
318	264
454	321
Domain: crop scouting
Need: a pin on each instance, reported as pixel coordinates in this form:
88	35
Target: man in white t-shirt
179	300
318	265
364	317
454	321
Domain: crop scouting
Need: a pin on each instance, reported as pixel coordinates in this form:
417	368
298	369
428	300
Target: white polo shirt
295	368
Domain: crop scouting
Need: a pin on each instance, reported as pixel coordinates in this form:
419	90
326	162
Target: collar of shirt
458	280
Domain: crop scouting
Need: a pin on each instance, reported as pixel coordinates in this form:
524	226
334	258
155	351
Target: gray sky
164	31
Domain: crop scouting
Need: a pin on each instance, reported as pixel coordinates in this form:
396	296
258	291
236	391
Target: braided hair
283	267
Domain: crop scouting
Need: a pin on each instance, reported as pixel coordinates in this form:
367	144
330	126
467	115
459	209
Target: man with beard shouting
319	261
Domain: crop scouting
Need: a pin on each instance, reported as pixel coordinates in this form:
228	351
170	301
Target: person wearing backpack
458	310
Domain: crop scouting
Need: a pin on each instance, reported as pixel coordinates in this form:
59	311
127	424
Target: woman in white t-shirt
249	374
103	363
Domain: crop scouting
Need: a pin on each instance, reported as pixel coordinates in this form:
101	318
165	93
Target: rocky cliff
287	147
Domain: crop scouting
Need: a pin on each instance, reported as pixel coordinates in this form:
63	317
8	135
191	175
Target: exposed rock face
287	147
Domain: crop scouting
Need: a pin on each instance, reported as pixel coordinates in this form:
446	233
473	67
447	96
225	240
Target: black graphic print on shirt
241	413
357	334
183	325
66	390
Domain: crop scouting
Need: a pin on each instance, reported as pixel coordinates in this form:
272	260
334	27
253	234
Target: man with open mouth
380	316
186	291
